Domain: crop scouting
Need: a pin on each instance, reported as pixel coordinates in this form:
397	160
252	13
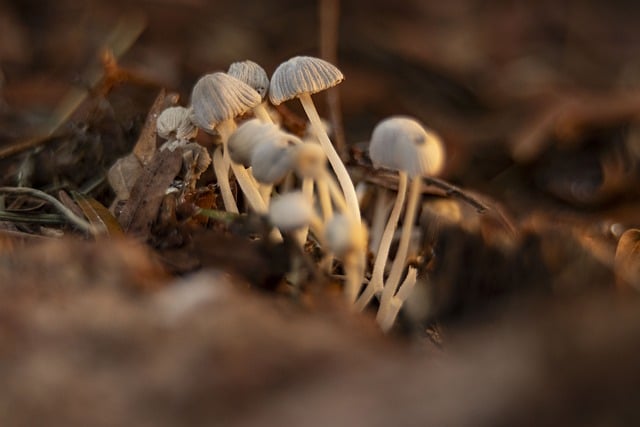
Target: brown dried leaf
98	215
123	175
145	148
141	210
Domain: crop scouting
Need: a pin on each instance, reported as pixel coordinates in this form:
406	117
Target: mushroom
292	211
216	100
347	239
254	75
300	77
174	123
402	144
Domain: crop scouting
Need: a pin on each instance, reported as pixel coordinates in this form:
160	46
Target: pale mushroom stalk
332	155
225	129
221	170
260	111
397	301
354	267
403	248
376	284
381	212
347	239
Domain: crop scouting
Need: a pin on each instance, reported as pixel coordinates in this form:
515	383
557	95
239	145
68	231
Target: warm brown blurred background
487	75
539	107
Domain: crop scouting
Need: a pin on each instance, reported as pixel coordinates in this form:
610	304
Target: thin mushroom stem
334	159
381	211
336	195
396	302
354	271
222	175
376	284
260	111
325	199
403	248
225	129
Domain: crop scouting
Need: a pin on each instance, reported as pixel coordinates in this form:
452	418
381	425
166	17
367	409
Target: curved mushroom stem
261	112
222	175
334	159
225	129
396	302
325	199
381	212
336	195
354	266
377	276
403	248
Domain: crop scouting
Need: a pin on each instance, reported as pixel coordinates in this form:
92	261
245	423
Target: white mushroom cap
174	122
402	143
218	97
247	137
291	211
344	235
309	160
302	74
271	161
252	74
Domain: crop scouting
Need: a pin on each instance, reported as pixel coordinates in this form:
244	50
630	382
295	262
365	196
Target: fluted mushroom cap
291	211
174	122
402	143
252	74
247	137
302	74
218	97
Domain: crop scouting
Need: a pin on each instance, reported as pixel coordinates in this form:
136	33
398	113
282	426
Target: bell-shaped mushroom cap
402	143
252	74
344	235
291	211
302	74
271	160
309	160
218	97
174	122
247	137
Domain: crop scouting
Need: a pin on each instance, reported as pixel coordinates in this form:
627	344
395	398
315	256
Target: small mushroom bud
271	161
292	211
247	137
175	123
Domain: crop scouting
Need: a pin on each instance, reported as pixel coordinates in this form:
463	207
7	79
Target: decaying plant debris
137	298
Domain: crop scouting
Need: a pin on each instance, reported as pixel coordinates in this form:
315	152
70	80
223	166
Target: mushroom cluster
313	193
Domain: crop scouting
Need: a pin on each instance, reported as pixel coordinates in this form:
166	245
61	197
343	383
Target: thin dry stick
329	11
68	213
118	42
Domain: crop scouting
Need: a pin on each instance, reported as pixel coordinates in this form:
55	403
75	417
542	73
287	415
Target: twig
72	217
389	180
452	190
329	11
